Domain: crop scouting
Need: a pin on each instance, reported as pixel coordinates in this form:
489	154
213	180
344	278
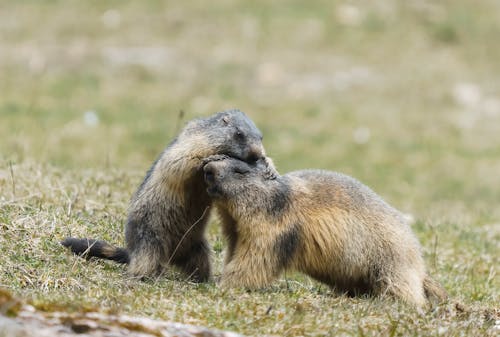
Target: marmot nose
254	154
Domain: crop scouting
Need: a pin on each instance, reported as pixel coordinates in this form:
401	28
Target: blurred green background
405	96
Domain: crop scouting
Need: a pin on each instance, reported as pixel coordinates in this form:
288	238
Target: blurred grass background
404	96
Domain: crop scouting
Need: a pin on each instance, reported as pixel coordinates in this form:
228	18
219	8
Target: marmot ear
225	119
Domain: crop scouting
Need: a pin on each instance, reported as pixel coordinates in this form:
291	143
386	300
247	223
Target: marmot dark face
234	135
232	180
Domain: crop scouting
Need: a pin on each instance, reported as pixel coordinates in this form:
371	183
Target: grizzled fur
169	211
325	224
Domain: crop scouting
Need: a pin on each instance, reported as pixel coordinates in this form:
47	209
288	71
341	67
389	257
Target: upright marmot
168	213
325	224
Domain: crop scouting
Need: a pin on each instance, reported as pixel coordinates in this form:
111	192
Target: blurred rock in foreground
19	320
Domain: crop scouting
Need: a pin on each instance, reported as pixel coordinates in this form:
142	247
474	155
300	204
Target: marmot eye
239	135
252	158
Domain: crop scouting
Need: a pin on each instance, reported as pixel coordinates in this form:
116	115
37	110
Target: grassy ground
403	96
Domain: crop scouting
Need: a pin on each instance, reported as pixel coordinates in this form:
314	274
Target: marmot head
233	179
230	133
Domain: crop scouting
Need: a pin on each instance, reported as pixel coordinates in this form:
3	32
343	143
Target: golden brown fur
169	211
324	224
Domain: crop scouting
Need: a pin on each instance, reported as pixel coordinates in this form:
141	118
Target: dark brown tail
434	291
96	248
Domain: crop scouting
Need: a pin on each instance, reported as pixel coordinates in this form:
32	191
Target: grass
403	96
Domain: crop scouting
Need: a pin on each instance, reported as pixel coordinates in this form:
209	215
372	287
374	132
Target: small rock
111	18
36	62
349	15
491	107
467	94
269	73
361	135
90	118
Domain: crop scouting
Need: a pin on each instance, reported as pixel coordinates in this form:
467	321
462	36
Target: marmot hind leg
407	287
195	261
146	260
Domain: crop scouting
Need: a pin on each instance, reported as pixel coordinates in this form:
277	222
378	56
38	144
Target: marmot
324	224
168	213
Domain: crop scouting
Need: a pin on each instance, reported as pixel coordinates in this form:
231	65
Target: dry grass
405	97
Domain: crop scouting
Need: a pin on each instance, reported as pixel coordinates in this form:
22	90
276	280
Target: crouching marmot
169	211
325	224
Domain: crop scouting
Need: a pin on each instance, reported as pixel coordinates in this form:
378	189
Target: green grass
422	77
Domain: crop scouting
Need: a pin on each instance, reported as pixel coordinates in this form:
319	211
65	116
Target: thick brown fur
324	224
169	211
